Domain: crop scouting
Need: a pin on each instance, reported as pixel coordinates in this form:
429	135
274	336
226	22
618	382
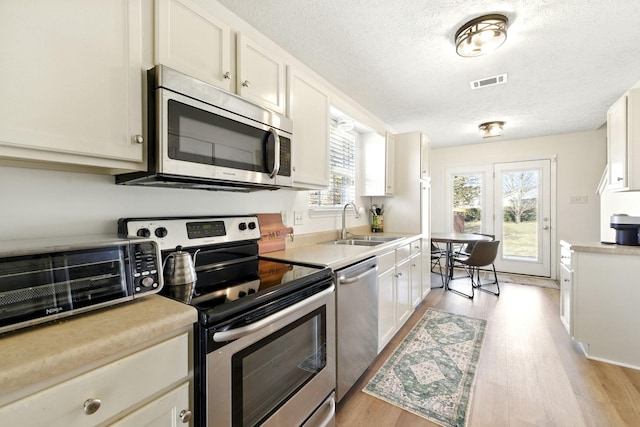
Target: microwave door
200	140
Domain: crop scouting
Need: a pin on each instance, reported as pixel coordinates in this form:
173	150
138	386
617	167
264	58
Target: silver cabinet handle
246	83
185	415
91	406
546	227
137	139
227	75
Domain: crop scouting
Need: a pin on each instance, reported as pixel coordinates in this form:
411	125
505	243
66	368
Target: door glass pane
467	202
268	372
520	214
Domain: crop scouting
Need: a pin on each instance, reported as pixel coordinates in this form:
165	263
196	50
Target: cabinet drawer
118	385
386	261
403	252
416	247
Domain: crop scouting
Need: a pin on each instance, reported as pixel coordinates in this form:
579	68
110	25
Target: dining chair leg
495	282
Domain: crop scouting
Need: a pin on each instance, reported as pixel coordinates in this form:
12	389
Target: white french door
511	201
522	217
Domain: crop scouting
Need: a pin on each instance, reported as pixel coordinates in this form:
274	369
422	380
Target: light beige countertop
48	352
338	256
598	247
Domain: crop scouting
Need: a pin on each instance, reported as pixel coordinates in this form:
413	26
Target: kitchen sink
363	240
376	238
353	242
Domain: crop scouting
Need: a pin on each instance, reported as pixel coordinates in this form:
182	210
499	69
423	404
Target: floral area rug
432	372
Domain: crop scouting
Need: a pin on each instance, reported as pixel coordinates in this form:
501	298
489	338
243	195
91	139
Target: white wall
580	157
41	203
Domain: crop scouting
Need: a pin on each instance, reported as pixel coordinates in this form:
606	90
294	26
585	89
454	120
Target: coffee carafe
179	275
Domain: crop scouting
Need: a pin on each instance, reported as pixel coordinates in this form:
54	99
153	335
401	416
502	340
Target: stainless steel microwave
47	280
201	136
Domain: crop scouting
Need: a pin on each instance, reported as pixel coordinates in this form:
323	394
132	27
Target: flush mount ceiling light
481	35
490	129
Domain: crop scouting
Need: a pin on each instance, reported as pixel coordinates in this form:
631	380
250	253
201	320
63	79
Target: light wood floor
530	373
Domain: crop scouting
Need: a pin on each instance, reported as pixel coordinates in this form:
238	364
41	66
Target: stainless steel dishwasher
356	323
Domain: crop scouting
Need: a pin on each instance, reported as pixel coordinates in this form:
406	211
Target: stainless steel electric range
265	340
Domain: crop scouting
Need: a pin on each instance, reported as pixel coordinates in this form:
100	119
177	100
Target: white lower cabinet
149	387
166	411
399	289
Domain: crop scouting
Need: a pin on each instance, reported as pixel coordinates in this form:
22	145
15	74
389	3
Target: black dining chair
483	254
436	255
464	251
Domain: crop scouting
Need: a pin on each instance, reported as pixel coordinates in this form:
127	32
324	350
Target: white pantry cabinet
194	41
416	272
71	82
623	142
308	108
109	391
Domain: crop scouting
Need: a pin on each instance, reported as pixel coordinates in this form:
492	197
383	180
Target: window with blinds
342	170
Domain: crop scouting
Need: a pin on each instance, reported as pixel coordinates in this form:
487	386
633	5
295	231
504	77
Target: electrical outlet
283	214
298	217
578	199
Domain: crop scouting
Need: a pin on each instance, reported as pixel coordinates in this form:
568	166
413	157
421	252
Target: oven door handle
236	333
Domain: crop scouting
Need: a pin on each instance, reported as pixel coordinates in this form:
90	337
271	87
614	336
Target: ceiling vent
489	81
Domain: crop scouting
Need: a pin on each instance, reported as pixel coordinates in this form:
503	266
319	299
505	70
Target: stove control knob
242	294
147	281
161	232
252	225
242	226
143	232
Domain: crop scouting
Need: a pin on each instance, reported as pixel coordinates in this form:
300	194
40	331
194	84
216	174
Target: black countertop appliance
627	229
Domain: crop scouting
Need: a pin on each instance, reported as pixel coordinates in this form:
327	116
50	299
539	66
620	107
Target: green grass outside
518	240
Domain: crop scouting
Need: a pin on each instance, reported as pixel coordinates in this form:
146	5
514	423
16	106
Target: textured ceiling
567	60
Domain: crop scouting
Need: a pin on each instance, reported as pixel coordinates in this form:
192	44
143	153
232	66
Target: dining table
451	238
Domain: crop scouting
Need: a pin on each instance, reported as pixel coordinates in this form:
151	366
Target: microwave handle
276	154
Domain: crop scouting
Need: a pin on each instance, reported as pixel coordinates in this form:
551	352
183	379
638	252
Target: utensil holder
377	223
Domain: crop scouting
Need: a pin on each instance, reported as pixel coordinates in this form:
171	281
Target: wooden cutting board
273	232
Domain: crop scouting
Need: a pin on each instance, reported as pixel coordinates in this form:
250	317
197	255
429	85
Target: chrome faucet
343	234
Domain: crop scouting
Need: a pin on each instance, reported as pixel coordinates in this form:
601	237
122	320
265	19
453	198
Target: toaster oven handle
276	154
242	331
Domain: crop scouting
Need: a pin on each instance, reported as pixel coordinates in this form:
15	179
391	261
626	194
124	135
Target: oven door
279	371
200	140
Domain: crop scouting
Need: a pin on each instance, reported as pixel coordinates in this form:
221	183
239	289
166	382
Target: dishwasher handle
342	280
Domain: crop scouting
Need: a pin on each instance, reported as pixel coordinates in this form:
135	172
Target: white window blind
342	170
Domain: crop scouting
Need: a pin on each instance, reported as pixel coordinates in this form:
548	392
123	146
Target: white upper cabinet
308	107
261	75
378	154
623	142
192	40
71	82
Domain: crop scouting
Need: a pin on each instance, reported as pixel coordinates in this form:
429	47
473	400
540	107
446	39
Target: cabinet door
390	171
374	155
386	308
72	81
308	107
404	307
193	41
617	144
565	297
425	158
416	279
261	75
426	268
169	410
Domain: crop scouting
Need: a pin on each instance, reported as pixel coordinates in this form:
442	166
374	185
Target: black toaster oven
46	280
